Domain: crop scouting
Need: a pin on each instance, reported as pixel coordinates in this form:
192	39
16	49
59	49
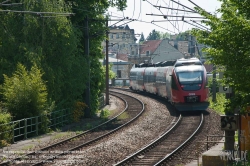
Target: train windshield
194	77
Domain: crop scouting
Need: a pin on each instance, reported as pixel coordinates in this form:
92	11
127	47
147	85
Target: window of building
117	36
147	53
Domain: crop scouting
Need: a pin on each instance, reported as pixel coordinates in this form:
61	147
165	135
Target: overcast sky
137	9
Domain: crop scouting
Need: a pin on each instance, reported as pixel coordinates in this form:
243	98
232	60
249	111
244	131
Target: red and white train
183	82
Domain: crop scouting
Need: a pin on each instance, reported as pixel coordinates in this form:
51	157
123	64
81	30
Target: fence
29	127
101	101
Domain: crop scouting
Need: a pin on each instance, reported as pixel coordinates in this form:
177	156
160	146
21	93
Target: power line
165	16
199	24
37	13
199	7
185	6
175	9
194	25
162	13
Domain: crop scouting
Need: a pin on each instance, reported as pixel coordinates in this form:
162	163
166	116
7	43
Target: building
154	51
120	67
121	40
189	47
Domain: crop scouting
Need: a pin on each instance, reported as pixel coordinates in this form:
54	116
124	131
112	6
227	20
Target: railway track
161	151
134	108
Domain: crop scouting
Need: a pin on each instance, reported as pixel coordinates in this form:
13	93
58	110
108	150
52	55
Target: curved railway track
134	108
161	151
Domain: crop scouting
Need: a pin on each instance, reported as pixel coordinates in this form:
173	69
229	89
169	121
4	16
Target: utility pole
214	84
107	64
117	67
86	52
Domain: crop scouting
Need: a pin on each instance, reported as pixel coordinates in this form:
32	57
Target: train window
190	77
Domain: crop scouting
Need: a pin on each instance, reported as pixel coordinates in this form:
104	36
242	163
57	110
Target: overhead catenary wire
195	25
37	13
162	13
175	9
199	24
199	7
185	6
175	16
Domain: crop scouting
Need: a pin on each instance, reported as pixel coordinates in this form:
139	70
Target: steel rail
152	144
84	133
98	138
183	144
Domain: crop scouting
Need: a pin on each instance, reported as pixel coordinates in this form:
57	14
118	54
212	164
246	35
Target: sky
141	11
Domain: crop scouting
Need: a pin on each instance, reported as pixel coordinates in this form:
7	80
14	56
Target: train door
168	82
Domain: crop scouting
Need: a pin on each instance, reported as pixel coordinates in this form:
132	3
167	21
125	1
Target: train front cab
189	88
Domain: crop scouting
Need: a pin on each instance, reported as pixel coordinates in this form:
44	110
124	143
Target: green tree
25	93
183	35
229	42
142	39
154	35
165	35
55	45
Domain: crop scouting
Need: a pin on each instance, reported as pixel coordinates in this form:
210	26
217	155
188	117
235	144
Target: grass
124	115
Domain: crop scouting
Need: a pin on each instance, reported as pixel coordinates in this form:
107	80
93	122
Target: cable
133	10
140	11
162	13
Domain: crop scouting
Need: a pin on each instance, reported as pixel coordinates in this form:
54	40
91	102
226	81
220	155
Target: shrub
5	130
25	93
104	114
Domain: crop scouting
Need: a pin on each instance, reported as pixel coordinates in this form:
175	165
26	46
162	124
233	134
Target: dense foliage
25	93
154	35
6	136
54	43
157	35
142	39
229	41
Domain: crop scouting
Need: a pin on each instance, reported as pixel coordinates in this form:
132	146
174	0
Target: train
182	82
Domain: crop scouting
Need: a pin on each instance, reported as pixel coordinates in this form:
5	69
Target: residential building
153	51
120	67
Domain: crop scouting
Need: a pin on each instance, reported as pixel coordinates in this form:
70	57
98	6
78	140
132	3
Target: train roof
190	68
187	62
158	64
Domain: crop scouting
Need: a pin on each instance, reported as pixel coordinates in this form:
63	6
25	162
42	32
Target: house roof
150	45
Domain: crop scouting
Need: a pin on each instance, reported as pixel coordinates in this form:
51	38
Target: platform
210	158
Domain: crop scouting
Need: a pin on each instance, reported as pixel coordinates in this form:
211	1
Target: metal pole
107	64
214	84
139	54
86	51
117	61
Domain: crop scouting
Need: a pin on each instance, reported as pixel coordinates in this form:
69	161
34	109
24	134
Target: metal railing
33	126
101	101
29	127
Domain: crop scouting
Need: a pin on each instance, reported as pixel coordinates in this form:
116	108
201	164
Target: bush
25	93
5	130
